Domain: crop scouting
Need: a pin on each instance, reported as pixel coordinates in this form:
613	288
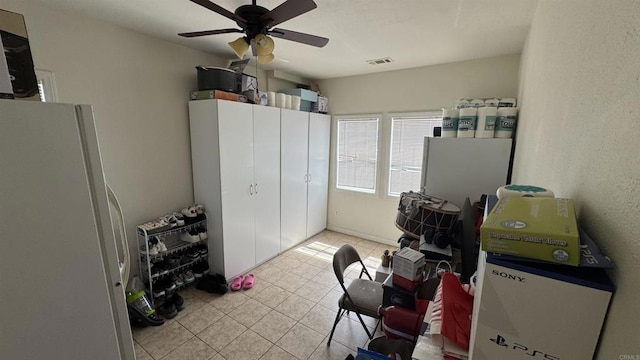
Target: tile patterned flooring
288	314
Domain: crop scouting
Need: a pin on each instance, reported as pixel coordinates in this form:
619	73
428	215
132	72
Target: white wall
139	88
426	88
578	134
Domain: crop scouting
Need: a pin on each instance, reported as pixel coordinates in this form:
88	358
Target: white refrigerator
61	289
456	168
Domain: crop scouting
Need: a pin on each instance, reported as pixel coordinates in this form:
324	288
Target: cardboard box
535	228
305	95
411	285
217	94
382	272
524	310
17	75
408	263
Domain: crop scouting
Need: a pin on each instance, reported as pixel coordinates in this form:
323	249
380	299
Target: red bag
457	306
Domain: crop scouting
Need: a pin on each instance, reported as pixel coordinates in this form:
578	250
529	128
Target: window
407	139
357	153
47	86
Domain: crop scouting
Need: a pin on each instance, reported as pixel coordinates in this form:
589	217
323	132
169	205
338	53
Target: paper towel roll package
486	122
450	123
467	122
280	100
492	102
476	103
505	122
295	102
271	98
462	103
287	101
507	102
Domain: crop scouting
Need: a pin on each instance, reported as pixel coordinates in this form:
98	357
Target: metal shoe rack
171	238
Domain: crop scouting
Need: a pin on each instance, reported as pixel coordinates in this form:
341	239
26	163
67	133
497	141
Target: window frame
47	80
379	120
391	116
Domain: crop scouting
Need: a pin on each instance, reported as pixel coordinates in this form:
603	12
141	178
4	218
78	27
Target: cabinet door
294	145
235	122
266	199
318	185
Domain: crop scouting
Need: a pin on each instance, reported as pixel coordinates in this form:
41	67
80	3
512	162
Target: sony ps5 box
535	228
532	310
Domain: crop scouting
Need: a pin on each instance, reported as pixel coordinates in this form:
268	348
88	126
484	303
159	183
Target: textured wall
578	135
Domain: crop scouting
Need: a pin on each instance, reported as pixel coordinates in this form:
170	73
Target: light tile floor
288	314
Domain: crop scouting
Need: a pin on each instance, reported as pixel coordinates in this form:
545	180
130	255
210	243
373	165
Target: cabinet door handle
306	178
309	177
251	189
256	188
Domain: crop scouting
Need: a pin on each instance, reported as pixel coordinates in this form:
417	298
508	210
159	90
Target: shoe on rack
202	250
199	209
202	232
200	269
169	286
162	267
160	245
174	280
179	281
168	310
171	219
195	235
189	212
158	288
192	236
193	254
173	261
189	277
177	301
179	218
153	250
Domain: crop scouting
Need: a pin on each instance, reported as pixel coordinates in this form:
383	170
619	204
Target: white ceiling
412	32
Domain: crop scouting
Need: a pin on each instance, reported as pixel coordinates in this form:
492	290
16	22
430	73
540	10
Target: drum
417	212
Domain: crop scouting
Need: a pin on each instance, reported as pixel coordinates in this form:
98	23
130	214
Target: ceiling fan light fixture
265	59
264	45
239	46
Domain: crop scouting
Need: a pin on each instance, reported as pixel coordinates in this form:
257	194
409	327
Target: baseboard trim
362	235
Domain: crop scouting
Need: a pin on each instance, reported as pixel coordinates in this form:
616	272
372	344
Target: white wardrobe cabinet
304	175
235	152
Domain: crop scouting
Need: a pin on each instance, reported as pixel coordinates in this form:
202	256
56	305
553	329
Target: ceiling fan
257	23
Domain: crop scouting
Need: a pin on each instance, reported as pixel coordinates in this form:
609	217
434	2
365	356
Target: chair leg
335	323
365	326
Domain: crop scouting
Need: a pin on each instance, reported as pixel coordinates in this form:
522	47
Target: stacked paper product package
480	118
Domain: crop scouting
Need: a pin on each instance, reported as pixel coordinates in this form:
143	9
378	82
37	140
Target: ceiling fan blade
308	39
220	10
287	10
209	32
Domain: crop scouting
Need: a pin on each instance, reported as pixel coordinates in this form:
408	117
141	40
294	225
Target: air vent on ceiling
380	61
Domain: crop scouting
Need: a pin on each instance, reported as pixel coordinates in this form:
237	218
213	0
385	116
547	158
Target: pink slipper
248	281
236	284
